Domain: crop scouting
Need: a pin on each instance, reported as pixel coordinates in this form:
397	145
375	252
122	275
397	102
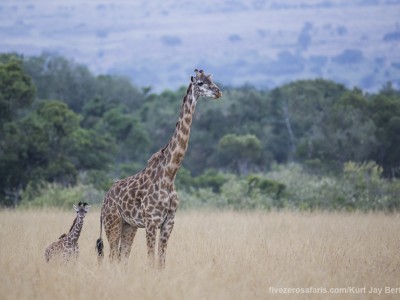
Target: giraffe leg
113	228
166	229
66	255
151	232
47	254
165	233
75	253
127	236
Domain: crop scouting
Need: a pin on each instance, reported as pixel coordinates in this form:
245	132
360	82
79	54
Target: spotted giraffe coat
148	199
67	246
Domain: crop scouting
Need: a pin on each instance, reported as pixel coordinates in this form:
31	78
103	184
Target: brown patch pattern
67	244
148	199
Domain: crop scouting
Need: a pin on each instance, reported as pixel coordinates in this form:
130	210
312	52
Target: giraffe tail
99	243
47	255
99	248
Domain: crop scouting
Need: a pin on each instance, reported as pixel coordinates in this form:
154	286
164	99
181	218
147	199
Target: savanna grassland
211	255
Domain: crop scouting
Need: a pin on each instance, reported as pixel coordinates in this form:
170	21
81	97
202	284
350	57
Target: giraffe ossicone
149	199
67	246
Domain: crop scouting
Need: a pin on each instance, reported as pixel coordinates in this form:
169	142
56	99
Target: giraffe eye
200	83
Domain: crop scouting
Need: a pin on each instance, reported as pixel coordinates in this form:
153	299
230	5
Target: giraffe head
204	86
81	209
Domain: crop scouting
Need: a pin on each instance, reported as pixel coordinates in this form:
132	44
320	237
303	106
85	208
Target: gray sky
264	43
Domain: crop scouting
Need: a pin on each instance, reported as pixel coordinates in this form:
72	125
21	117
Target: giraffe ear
191	78
75	208
198	73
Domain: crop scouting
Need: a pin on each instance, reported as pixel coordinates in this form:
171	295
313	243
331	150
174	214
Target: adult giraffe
148	199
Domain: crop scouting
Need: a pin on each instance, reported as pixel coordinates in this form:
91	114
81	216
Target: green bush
55	195
268	186
211	179
359	187
233	194
100	180
369	191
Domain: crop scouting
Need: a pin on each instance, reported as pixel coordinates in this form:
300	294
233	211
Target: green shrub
100	180
359	187
265	185
211	179
368	190
55	195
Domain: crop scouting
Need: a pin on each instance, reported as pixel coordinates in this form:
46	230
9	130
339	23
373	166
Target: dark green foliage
56	77
239	152
385	113
16	89
61	124
98	179
210	179
265	185
49	145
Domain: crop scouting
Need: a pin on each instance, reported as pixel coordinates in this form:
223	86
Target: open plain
211	255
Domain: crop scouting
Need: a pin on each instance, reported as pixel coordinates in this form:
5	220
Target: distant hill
260	42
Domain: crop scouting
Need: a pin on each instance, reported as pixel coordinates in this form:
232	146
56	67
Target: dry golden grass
211	255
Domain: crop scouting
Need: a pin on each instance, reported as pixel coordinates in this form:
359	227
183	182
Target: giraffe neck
75	231
176	148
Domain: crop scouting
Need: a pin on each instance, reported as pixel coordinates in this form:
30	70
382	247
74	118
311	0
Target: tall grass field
211	255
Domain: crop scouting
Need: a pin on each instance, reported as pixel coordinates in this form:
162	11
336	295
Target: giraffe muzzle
218	94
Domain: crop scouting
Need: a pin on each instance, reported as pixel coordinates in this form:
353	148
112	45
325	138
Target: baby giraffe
67	244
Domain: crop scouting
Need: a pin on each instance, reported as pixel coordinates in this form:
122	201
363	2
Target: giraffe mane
187	92
156	156
73	224
80	204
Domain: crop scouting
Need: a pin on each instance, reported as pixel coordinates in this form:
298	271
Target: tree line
62	124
